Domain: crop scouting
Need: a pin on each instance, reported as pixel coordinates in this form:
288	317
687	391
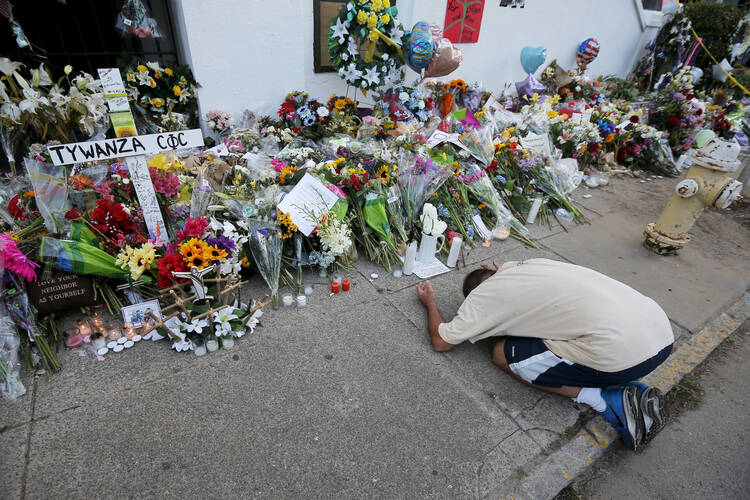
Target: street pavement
704	453
346	398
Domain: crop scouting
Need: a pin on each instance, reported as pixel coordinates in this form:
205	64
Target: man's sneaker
651	402
624	414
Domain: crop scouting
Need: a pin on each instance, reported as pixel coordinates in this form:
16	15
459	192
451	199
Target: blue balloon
532	58
418	51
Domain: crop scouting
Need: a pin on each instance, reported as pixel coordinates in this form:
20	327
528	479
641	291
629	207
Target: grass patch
686	395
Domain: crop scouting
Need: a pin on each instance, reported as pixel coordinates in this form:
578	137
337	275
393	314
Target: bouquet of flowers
266	245
162	91
220	122
134	19
301	113
676	111
418	180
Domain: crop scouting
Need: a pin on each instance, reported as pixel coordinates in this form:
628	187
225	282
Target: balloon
446	60
587	52
532	58
418	50
530	86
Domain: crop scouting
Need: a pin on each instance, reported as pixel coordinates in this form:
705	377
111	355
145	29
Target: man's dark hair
475	278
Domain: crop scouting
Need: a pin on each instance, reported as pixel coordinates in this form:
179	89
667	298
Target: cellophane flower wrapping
134	19
266	245
50	192
418	179
11	386
481	186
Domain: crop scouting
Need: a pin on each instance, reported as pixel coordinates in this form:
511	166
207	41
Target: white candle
455	251
287	300
301	300
227	342
308	290
410	258
200	350
534	210
212	345
397	273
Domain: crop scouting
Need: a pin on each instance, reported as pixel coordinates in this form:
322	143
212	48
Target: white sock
592	397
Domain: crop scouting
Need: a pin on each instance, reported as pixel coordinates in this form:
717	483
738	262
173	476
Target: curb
554	471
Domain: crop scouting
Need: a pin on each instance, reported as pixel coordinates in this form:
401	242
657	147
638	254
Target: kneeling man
569	330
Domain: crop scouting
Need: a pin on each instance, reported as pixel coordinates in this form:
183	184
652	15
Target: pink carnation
194	228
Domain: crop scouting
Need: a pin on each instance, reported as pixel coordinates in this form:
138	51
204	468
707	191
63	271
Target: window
652	4
82	33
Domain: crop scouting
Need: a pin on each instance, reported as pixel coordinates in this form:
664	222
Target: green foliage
715	23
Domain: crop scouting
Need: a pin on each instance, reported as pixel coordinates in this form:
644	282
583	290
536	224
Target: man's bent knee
498	356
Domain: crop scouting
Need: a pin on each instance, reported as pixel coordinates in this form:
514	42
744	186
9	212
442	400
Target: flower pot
227	342
212	345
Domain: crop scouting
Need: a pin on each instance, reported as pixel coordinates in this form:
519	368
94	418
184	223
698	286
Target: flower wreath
371	24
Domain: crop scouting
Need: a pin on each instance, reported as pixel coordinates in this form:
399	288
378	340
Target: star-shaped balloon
340	30
530	86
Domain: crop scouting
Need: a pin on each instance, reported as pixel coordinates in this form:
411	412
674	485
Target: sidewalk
346	398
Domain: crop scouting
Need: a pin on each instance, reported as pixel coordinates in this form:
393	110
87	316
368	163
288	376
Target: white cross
132	148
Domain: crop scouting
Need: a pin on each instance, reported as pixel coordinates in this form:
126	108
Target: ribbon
370	46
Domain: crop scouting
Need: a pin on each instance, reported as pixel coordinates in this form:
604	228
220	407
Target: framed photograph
136	314
323	12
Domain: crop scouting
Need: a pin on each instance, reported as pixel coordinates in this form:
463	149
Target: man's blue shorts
531	360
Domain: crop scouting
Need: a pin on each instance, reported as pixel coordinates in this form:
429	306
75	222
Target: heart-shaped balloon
446	60
418	50
587	52
532	58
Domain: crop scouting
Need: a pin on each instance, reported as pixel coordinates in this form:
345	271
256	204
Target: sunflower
192	248
289	227
287	174
384	175
340	104
214	254
458	84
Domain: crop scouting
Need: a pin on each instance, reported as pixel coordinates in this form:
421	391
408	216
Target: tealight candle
212	345
128	344
130	332
345	285
287	300
227	342
308	290
118	348
136	338
102	351
301	300
200	350
398	273
122	340
84	330
114	333
111	344
335	287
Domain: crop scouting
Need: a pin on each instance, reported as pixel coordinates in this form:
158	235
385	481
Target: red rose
672	121
634	119
72	214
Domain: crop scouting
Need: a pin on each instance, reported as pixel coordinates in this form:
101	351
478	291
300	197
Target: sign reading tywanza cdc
65	154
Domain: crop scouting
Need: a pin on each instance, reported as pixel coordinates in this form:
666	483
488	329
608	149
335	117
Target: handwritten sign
61	292
65	154
309	200
538	143
144	189
463	19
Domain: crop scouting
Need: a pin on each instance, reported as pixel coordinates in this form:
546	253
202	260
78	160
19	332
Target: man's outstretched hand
492	268
426	294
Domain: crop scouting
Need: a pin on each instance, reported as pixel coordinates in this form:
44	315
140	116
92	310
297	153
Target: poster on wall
463	18
513	3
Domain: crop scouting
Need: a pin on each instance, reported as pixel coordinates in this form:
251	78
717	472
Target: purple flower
223	243
679	96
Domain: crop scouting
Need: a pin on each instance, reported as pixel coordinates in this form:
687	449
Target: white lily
181	343
223	317
11	112
33	99
251	323
8	67
196	326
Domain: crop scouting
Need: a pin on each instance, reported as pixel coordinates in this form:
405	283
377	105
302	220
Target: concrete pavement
346	398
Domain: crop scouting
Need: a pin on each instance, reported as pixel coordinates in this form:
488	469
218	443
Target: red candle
345	285
335	287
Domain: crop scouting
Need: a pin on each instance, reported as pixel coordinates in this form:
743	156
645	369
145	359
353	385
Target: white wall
250	53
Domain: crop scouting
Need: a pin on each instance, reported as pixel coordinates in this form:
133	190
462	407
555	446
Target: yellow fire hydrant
705	185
